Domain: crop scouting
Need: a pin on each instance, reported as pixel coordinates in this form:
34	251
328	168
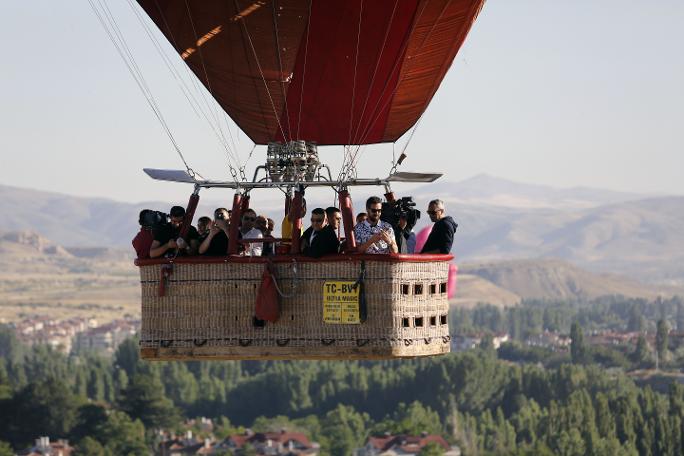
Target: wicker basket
207	308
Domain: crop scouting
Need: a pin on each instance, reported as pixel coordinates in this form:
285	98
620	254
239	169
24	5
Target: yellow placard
341	303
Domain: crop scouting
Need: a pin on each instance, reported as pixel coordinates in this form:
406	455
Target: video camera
403	207
153	219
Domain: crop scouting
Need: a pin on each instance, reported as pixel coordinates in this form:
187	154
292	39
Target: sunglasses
375	211
316	220
434	212
249	219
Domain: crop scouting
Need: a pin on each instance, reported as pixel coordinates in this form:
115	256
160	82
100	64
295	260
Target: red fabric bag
268	299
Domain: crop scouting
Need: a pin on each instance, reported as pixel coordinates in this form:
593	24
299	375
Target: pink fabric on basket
451	285
421	237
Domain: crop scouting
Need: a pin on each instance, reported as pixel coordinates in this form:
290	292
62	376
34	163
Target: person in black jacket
442	235
319	239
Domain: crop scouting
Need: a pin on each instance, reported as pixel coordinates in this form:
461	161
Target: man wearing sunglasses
248	231
320	238
441	237
373	235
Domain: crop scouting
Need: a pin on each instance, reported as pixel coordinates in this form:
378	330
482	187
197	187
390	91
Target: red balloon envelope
330	71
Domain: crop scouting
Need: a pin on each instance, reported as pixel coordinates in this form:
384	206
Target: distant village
279	443
75	335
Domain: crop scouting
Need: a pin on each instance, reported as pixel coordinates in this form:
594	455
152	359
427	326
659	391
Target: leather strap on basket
363	305
165	272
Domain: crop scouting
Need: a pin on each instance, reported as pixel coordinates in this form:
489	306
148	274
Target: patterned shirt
363	232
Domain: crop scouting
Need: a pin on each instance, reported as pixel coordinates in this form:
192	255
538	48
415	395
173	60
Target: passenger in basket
441	237
216	242
373	235
203	227
361	217
167	240
334	218
248	231
286	227
143	240
320	238
262	225
405	237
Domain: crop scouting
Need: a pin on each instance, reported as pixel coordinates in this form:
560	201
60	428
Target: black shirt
325	242
442	236
218	245
168	232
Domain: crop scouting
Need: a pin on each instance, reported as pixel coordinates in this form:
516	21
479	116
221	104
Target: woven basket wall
207	312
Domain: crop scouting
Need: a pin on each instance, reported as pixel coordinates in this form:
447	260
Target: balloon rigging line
356	64
138	78
167	61
375	113
261	72
306	52
280	66
193	79
192	100
375	71
206	76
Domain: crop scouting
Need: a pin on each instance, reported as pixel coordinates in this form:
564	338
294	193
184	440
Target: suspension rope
306	53
174	72
206	76
261	72
375	71
356	64
231	158
280	66
107	21
378	113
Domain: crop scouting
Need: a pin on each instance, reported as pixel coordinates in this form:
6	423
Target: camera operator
167	240
402	215
406	238
216	242
143	240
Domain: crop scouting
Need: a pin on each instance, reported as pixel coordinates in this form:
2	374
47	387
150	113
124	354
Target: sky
561	93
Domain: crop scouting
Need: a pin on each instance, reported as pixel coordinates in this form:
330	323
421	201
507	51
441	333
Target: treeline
483	404
532	317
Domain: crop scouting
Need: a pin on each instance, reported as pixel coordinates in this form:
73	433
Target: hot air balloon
295	75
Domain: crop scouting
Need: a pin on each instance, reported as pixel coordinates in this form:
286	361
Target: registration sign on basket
341	303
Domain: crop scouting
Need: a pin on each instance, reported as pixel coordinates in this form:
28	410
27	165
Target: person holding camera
143	240
374	235
167	239
203	227
441	237
405	237
216	242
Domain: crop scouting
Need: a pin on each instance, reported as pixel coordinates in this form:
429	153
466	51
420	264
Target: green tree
88	446
431	449
578	349
127	356
6	449
121	435
43	408
345	429
641	352
416	419
662	331
144	399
